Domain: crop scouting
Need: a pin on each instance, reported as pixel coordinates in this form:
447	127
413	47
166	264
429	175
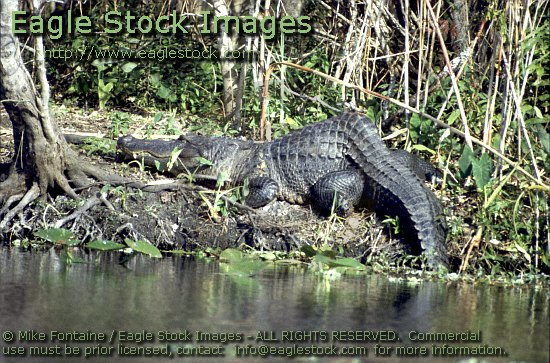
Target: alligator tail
395	190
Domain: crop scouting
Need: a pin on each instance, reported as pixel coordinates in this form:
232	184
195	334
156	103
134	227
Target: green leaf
104	245
100	64
104	92
173	158
308	250
325	260
155	79
349	262
158	117
231	255
415	120
128	67
104	87
538	113
223	176
453	116
144	247
204	161
465	161
60	236
245	267
420	147
164	92
481	169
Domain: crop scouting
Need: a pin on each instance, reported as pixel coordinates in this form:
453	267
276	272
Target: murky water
50	307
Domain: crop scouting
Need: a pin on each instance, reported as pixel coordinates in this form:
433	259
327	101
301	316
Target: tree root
32	194
89	204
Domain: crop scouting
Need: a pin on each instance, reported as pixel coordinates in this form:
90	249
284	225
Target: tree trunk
42	159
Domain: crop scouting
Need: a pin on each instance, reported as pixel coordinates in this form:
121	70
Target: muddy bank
183	220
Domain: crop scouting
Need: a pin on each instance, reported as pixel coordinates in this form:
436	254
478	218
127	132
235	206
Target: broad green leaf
223	176
173	158
245	267
323	260
57	236
538	113
204	161
143	247
481	169
128	67
104	245
349	262
155	79
465	161
308	250
104	92
544	137
453	116
104	88
415	120
164	92
231	255
100	64
158	117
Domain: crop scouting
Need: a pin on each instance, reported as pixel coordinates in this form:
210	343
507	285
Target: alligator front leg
261	191
338	191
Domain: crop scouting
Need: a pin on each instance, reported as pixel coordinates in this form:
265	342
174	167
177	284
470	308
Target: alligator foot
338	191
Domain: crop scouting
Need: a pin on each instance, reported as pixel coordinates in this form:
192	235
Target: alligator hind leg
338	191
261	191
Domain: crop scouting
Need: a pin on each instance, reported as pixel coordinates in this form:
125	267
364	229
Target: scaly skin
289	168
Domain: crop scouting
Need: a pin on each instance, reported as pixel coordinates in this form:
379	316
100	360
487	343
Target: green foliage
104	245
57	236
120	123
393	223
144	247
98	146
234	262
465	161
481	169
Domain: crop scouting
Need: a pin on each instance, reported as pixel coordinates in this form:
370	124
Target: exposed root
89	204
63	183
12	199
32	194
103	198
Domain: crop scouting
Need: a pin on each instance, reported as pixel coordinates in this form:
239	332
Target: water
39	294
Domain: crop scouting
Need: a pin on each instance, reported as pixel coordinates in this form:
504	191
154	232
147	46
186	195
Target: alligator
336	165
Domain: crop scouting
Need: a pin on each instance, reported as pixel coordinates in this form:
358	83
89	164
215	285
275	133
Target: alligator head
188	154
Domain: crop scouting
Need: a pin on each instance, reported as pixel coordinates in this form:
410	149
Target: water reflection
38	291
